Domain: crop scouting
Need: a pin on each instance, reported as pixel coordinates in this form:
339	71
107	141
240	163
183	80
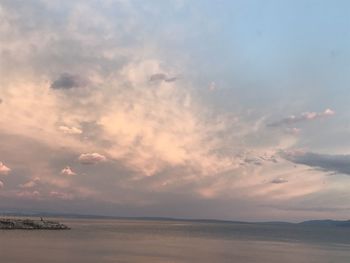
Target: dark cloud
162	77
306	116
279	181
259	160
68	81
252	160
326	162
173	79
158	76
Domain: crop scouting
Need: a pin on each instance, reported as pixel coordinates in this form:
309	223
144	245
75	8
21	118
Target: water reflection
163	241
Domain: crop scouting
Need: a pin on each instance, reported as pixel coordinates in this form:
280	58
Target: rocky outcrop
30	224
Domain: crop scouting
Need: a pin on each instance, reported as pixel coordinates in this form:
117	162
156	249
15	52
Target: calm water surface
100	241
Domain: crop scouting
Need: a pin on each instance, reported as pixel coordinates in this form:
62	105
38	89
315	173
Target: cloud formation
35	195
70	130
91	158
68	81
326	162
31	184
68	171
279	180
173	146
212	86
162	77
304	117
4	170
61	195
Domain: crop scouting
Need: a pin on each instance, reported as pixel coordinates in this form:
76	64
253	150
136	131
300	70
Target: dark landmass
309	223
29	224
326	223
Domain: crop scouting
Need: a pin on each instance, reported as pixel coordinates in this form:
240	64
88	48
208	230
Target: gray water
100	241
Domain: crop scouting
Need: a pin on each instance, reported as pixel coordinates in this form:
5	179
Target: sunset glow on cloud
105	107
4	170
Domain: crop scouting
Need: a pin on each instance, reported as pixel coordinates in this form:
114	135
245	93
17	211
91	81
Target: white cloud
4	170
1	185
328	112
68	171
305	116
70	130
92	158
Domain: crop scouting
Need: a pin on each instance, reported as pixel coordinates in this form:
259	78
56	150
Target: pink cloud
29	194
68	171
92	158
70	130
212	86
4	170
61	195
31	183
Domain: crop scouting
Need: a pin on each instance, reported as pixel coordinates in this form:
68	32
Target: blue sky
201	109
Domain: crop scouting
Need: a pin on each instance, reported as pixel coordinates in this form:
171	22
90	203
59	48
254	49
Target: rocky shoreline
30	224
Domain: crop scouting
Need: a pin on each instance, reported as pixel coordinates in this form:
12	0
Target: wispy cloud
304	117
213	86
29	194
169	141
293	131
162	76
61	195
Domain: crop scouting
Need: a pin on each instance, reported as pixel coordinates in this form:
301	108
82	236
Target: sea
132	240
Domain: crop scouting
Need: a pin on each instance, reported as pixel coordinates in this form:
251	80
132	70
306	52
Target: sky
232	110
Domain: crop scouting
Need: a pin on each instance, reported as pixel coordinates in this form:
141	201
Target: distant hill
316	223
325	223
